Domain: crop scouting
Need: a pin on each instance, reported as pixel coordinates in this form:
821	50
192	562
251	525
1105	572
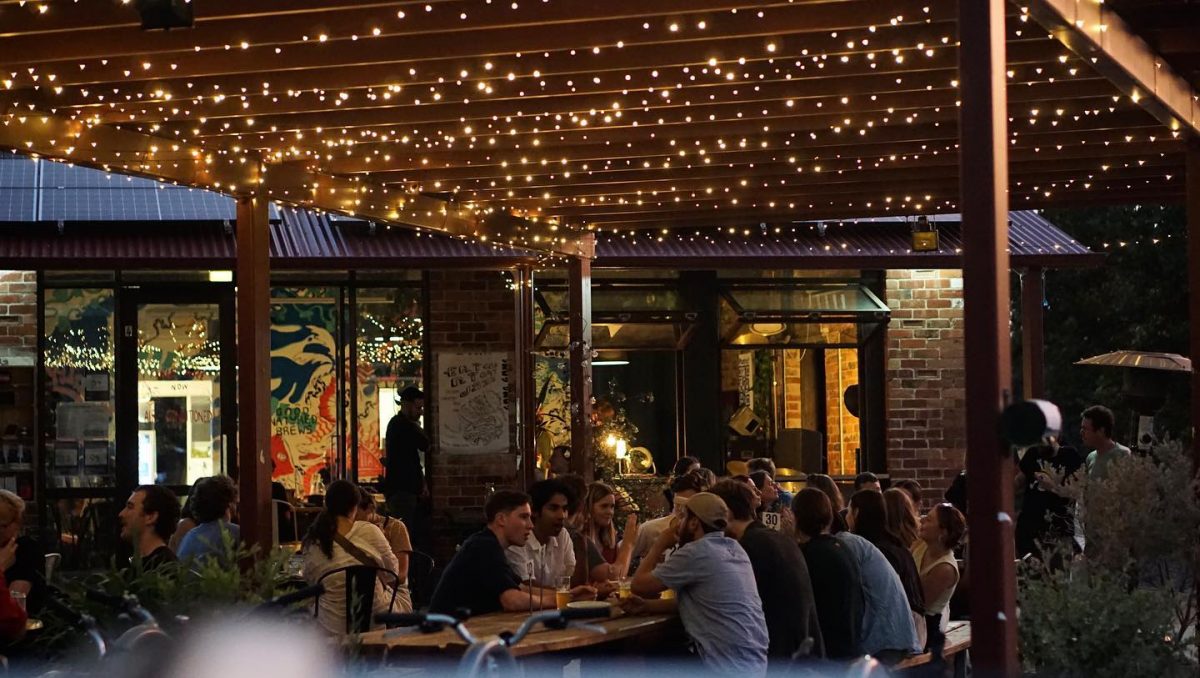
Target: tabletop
541	639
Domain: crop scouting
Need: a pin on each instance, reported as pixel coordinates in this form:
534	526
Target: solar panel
194	204
18	186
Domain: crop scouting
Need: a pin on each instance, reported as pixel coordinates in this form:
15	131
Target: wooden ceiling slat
790	21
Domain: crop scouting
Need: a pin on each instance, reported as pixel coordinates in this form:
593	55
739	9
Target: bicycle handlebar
79	619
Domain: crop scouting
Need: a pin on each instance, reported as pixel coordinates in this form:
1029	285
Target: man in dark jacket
404	481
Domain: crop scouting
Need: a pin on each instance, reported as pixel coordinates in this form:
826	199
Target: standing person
405	440
781	576
942	530
26	573
868	519
826	484
717	598
1096	429
214	531
479	578
147	523
902	517
836	582
548	553
337	540
1046	515
600	507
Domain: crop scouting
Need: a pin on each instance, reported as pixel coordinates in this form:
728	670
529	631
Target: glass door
177	379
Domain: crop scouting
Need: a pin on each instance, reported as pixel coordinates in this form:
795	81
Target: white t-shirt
544	563
369	538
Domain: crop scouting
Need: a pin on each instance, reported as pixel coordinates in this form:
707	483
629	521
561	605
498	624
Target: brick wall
18	307
468	311
926	399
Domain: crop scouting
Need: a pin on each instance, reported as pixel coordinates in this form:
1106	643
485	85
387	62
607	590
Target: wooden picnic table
958	641
619	626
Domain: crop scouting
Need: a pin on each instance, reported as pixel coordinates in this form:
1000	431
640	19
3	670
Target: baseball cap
409	394
710	509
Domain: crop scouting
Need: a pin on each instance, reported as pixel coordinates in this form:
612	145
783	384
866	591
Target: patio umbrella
1165	362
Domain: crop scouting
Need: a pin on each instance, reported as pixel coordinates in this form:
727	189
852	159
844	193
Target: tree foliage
1137	300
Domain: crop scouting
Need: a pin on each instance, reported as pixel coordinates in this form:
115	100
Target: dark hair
278	491
707	476
213	498
341	499
160	500
864	478
366	499
189	505
912	487
762	464
738	497
901	516
760	478
952	521
693	482
683	465
541	492
813	510
410	394
1101	418
870	518
578	487
825	484
504	501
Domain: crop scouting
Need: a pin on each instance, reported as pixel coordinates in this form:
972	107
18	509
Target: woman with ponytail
336	540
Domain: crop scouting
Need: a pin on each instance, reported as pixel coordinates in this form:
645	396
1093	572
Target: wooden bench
958	641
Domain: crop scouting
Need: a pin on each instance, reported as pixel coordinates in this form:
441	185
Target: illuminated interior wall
842	428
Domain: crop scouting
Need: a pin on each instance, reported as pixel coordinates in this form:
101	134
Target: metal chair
420	578
360	594
52	562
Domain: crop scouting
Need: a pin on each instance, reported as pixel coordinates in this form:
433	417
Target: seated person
285	516
715	589
548	553
147	522
780	574
393	528
479	578
26	574
337	540
837	584
12	617
682	487
888	631
783	500
599	508
214	534
187	518
590	565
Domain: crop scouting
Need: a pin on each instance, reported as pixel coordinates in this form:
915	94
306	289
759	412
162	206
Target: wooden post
983	171
254	370
1033	340
580	358
1192	198
524	368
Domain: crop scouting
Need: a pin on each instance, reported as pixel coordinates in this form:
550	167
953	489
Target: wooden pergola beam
243	173
1098	34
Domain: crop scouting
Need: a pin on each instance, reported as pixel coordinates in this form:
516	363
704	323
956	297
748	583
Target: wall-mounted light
767	329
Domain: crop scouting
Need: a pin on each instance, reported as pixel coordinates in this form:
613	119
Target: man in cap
714	586
404	482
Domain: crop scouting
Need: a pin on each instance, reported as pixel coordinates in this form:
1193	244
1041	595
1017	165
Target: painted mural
303	387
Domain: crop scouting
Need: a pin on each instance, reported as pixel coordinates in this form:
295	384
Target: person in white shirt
549	552
682	487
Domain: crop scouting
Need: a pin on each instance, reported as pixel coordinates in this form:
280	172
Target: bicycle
493	656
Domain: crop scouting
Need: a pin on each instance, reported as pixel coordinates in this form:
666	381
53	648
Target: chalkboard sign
473	402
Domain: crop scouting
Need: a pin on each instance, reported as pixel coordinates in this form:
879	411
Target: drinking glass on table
19	598
562	592
625	588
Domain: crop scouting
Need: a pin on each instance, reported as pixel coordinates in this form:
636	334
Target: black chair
360	593
420	578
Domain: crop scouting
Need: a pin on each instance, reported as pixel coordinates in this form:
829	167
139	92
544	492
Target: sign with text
472	402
